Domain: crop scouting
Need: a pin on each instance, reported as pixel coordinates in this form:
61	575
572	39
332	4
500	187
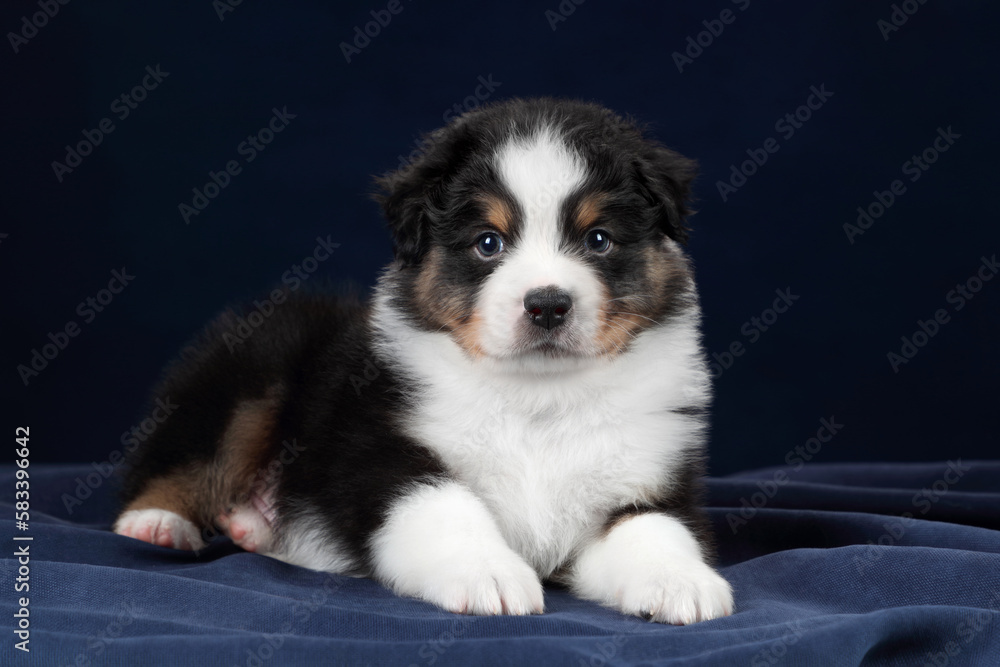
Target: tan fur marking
247	439
443	311
425	289
587	211
469	334
177	492
243	455
617	331
498	214
622	320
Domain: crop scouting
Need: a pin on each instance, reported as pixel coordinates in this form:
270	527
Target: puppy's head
540	229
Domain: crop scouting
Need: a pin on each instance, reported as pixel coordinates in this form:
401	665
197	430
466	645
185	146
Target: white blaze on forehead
540	171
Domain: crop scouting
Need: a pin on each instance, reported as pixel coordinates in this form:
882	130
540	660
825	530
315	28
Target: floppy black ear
412	195
665	177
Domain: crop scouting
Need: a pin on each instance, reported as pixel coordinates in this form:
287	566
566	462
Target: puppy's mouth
550	349
549	344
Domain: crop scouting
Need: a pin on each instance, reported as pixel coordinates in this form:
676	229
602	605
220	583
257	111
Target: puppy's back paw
248	528
161	527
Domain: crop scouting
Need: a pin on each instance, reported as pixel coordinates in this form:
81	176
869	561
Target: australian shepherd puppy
522	400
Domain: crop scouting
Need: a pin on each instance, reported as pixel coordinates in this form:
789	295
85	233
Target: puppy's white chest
549	470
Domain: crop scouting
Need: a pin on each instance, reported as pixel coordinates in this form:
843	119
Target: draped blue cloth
881	564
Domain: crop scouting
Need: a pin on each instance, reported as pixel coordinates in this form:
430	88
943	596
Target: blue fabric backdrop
880	564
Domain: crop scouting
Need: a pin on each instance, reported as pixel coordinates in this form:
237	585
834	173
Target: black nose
547	306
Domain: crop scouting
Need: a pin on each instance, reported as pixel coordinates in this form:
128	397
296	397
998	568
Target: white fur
156	526
440	544
540	172
311	545
651	565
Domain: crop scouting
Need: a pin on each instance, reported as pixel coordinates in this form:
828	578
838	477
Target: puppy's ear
412	196
665	179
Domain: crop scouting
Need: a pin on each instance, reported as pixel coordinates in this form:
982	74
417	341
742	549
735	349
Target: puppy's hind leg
172	509
163	513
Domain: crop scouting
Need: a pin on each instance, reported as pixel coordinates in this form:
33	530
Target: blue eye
598	241
489	244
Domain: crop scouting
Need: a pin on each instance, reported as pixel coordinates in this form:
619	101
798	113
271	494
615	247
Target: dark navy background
826	357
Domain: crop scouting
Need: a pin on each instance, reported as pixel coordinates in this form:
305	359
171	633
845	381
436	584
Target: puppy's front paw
651	566
160	527
501	583
441	545
677	592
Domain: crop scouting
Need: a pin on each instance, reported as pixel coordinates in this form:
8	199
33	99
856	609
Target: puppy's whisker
618	345
619	327
448	322
622	312
631	296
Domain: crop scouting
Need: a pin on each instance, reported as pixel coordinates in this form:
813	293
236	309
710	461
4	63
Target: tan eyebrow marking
498	214
587	211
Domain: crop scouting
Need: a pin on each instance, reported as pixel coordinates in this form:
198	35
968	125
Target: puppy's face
539	230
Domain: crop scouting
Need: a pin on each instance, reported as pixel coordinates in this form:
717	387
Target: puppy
523	399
